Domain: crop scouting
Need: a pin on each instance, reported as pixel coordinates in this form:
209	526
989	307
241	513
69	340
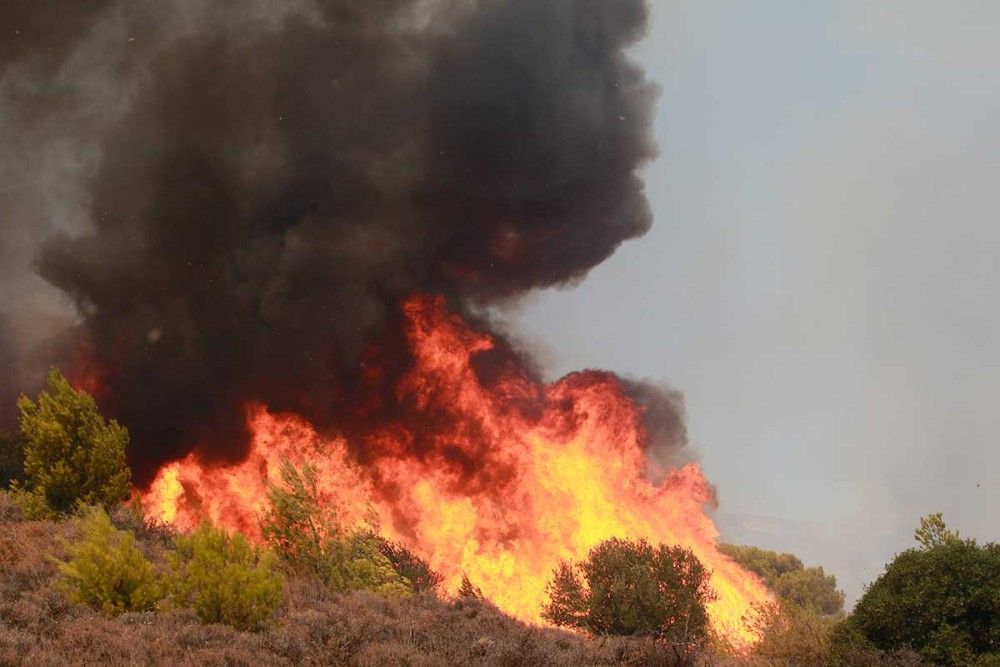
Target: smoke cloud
235	197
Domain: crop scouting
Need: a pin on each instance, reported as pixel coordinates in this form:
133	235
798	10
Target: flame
499	479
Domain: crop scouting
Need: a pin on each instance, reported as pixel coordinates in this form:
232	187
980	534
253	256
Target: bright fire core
502	484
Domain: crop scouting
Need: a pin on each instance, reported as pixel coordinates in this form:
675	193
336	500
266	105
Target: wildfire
498	478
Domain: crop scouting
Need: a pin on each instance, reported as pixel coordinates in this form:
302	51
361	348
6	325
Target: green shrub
353	561
942	600
71	454
633	588
302	528
418	574
105	570
792	582
223	579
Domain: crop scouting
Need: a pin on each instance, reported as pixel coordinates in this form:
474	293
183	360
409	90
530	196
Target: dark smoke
271	179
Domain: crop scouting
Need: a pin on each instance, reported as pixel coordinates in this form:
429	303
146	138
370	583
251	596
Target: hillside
38	626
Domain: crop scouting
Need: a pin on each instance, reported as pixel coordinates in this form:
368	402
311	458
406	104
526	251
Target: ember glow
492	475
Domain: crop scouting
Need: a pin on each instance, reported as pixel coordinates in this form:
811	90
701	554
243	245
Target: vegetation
793	635
935	604
105	570
933	533
71	453
306	533
421	578
942	600
793	583
223	579
633	588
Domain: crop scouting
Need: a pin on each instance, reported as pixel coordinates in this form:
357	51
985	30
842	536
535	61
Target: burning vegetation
498	482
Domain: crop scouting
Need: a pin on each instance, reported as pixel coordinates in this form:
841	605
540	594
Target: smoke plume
235	197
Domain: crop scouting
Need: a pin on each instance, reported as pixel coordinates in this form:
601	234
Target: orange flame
517	478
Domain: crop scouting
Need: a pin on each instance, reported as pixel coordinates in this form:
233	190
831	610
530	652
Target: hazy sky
822	275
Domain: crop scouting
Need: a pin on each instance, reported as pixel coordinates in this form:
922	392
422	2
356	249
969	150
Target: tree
633	588
791	581
943	600
71	453
105	570
223	579
303	529
933	533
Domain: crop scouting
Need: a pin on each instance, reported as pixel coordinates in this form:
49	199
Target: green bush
105	570
71	454
942	600
791	581
633	588
223	579
354	562
303	529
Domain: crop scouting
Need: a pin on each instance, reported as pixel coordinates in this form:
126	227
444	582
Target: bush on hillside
105	570
223	579
805	587
303	529
71	453
416	571
633	588
942	600
793	635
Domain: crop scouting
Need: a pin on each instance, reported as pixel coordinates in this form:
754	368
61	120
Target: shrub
469	591
302	528
223	579
793	634
418	574
633	588
944	602
71	454
105	570
807	587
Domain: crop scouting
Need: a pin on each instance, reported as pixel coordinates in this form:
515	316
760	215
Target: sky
821	276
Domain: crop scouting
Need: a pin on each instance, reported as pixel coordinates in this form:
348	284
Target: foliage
105	570
633	588
416	571
71	453
933	533
850	648
792	634
223	579
11	459
791	581
942	600
469	591
567	605
303	529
